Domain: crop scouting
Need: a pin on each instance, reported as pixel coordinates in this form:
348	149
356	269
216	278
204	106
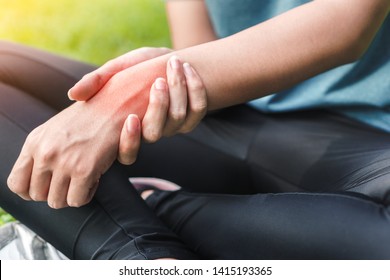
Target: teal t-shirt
359	90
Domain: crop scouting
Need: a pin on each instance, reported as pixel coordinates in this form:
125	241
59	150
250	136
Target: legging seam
369	179
343	194
139	249
114	253
369	164
307	190
248	164
278	176
245	160
79	233
122	228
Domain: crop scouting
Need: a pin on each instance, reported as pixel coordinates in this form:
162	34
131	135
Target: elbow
352	52
359	28
355	44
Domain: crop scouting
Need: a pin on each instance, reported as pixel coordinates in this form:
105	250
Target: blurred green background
91	31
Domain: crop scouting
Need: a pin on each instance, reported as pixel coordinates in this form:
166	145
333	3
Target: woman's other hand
176	106
62	160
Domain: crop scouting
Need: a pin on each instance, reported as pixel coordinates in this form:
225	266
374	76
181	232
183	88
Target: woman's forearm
285	50
264	59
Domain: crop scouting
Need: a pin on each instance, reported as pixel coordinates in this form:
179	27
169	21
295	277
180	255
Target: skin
181	111
63	159
189	23
158	120
48	167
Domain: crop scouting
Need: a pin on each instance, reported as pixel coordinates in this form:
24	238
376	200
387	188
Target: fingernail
70	95
174	62
188	69
160	84
131	125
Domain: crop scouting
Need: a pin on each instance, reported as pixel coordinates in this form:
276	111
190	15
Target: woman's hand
186	103
174	107
62	160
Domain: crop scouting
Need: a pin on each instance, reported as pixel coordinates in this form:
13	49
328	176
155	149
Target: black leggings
302	185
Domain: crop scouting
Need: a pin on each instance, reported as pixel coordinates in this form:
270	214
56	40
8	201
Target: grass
5	217
91	31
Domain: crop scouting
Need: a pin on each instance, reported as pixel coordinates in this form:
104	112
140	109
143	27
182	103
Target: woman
315	176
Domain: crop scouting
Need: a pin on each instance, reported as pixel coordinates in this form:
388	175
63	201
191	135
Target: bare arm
189	23
278	53
272	55
285	50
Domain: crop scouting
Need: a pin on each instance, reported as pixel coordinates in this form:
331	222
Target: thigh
210	159
41	74
319	151
240	150
278	226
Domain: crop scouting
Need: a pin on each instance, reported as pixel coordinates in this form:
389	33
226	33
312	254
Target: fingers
91	83
34	178
58	192
39	183
156	114
177	106
31	182
130	140
177	96
189	98
197	99
19	179
79	192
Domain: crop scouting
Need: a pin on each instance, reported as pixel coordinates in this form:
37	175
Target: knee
6	63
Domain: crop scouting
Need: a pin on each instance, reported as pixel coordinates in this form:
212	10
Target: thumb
88	86
92	82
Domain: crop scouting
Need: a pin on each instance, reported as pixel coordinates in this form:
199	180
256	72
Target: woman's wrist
127	92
